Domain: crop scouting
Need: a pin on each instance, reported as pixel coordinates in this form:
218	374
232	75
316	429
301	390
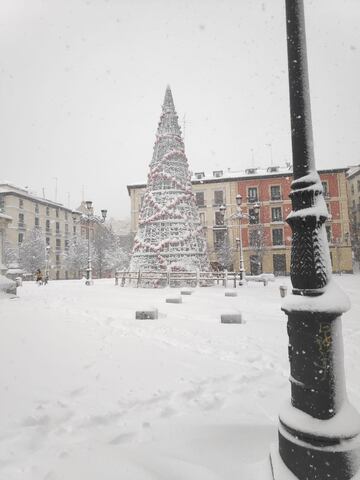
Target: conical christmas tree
170	235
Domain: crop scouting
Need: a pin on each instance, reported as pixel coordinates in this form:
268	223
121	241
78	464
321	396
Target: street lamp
239	215
47	256
318	429
89	218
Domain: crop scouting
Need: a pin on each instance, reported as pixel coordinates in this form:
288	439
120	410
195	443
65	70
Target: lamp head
222	210
88	204
256	208
238	199
103	213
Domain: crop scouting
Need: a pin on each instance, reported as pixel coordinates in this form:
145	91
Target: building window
218	198
57	213
279	264
275	192
218	173
57	275
202	218
47	211
254	238
328	233
36	208
47	225
352	189
276	214
219	238
21	220
58	244
255	265
66	245
20	238
254	216
2	203
57	227
74	230
37	222
66	228
219	218
47	240
66	215
277	236
200	199
21	203
325	189
199	175
252	194
57	259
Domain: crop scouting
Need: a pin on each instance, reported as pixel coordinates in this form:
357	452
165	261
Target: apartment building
266	237
353	177
29	212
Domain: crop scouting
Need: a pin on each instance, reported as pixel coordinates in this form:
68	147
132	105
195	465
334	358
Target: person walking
39	277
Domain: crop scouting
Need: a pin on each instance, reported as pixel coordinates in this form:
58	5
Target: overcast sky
82	83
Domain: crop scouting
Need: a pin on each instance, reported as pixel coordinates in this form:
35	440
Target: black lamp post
89	218
319	430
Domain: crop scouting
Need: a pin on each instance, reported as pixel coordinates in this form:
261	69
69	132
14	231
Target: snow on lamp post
318	429
90	218
239	215
47	259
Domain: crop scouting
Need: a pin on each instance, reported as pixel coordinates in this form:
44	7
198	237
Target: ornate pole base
319	430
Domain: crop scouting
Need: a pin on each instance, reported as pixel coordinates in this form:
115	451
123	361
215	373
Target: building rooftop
24	192
353	171
251	172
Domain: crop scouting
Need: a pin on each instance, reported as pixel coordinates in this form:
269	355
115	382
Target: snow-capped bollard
283	291
186	292
231	318
230	293
147	314
174	300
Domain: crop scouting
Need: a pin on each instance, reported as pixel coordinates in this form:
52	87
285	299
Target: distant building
267	237
353	177
30	212
4	223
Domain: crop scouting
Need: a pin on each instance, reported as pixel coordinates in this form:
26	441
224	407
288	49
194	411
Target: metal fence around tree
165	278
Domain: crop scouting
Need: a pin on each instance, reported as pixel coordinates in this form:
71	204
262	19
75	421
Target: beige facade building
29	212
5	220
353	177
266	238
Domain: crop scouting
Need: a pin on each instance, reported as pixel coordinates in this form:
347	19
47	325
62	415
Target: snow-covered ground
88	392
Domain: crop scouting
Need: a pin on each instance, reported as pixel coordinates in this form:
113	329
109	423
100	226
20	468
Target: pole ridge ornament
319	430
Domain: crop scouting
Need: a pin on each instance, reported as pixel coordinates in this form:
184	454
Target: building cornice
244	177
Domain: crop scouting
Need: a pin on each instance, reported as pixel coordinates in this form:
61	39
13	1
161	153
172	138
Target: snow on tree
116	258
76	257
11	254
170	234
225	253
32	251
102	243
258	246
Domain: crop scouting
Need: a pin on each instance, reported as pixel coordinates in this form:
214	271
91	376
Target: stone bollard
174	300
186	292
231	318
230	293
147	314
283	290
